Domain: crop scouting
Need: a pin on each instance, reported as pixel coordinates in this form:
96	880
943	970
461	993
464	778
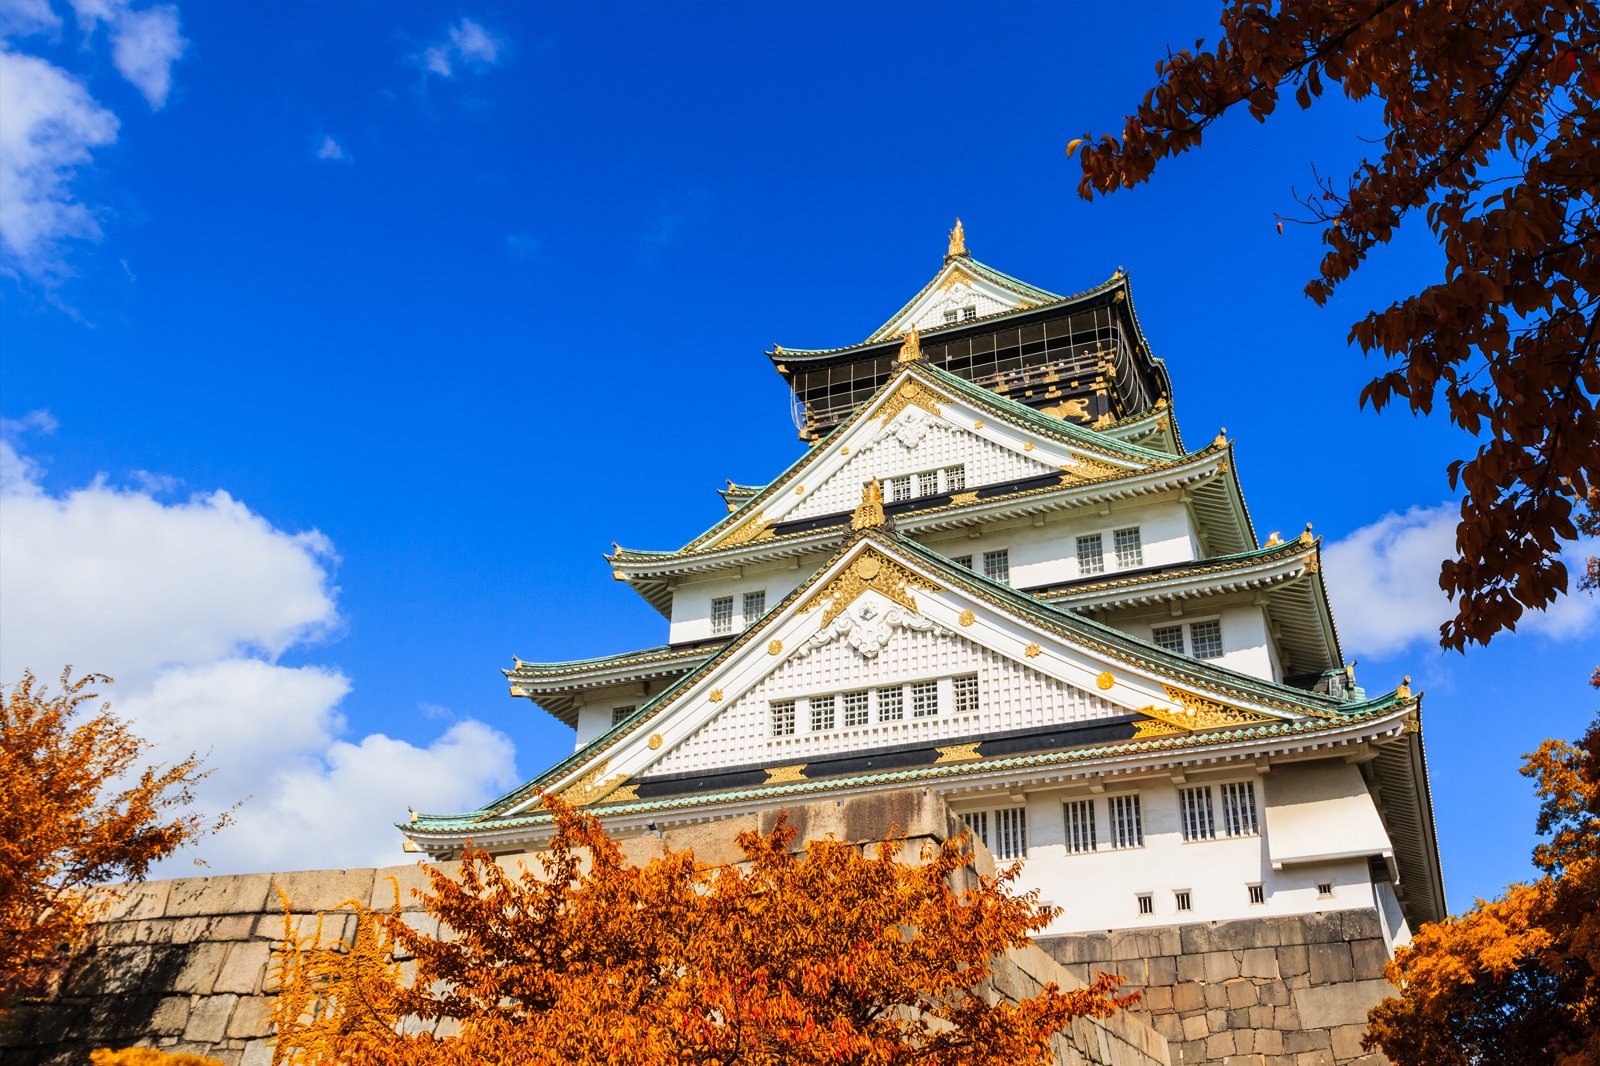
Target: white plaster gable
955	288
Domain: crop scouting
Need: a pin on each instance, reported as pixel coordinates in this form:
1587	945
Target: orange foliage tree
76	810
1492	133
828	955
1516	979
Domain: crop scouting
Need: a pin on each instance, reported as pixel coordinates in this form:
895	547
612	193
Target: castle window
928	483
1146	904
969	313
821	713
1325	889
965	692
997	566
1206	640
955	478
755	605
925	699
891	704
1258	894
1130	550
782	712
1168	637
1194	804
1091	555
855	709
620	713
978	822
722	615
1011	833
1239	809
1182	900
900	488
962	561
1080	825
1127	821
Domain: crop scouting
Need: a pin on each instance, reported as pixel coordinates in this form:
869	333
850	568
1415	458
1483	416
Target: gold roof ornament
911	346
958	242
869	515
1404	691
1222	438
1274	540
1306	537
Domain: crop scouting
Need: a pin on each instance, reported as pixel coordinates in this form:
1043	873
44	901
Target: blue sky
339	340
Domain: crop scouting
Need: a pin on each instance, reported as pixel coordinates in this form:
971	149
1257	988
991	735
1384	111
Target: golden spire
869	515
958	242
911	347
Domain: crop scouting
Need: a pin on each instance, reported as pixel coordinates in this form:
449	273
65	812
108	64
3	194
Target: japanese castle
999	572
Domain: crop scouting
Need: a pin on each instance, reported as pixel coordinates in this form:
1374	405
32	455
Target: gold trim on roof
869	514
592	785
871	571
911	393
911	346
776	774
958	242
958	753
1198	712
757	528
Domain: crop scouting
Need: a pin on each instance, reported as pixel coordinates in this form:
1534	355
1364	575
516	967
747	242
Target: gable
954	290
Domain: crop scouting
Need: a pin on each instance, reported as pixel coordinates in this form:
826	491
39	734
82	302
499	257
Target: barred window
962	560
722	615
965	692
620	713
1258	894
1168	637
1011	833
855	709
782	712
1206	640
1127	821
1194	804
955	478
978	822
997	566
1091	555
821	713
1080	825
1130	550
1182	900
928	483
900	488
925	699
1239	809
891	704
1146	904
755	605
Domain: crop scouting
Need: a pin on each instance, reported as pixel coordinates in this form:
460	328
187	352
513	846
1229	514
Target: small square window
1168	637
1258	894
928	483
997	566
722	615
891	704
1206	640
821	713
965	693
955	478
1194	804
925	699
855	709
962	560
782	712
1011	833
619	714
900	488
1130	550
755	605
1080	825
1127	822
950	316
1146	904
1182	900
1325	889
1091	555
969	313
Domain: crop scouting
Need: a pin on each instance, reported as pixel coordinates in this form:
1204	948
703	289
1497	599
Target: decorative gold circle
868	569
1105	680
1027	446
967	618
798	489
775	647
655	741
845	450
978	424
716	695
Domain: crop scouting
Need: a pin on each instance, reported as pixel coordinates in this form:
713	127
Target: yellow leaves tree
1490	132
77	809
1517	979
825	955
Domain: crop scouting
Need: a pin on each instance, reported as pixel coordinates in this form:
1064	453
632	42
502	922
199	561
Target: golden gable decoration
871	571
756	528
911	393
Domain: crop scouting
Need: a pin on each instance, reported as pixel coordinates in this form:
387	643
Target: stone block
200	969
257	1053
1194	939
171	1016
1274	992
1334	1005
1170	1025
322	890
1158	998
131	903
244	967
1260	1016
1293	960
1241	993
1269	1041
1221	966
1221	1045
1347	1041
1259	962
1216	996
1161	970
235	894
208	1019
1369	958
1216	1020
1189	996
1314	1058
1331	964
1238	1018
1195	1027
1300	1041
1191	967
252	1017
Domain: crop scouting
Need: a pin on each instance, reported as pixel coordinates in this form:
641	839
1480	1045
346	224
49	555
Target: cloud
49	127
332	150
21	18
144	43
466	46
1386	584
190	604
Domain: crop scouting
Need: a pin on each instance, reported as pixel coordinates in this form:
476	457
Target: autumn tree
1490	133
78	808
1516	979
826	955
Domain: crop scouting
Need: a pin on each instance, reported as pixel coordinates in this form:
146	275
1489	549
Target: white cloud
467	45
49	126
144	43
332	150
1386	584
190	604
21	18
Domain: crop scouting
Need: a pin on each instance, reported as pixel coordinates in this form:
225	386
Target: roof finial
1306	537
958	242
911	347
1404	691
869	515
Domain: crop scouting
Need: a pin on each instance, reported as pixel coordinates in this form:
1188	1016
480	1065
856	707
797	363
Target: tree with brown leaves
77	810
1492	135
1516	979
828	955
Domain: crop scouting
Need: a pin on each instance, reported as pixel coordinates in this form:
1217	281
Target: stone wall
184	965
1290	991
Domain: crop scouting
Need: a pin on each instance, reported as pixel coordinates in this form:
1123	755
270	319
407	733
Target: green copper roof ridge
663	649
1265	552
